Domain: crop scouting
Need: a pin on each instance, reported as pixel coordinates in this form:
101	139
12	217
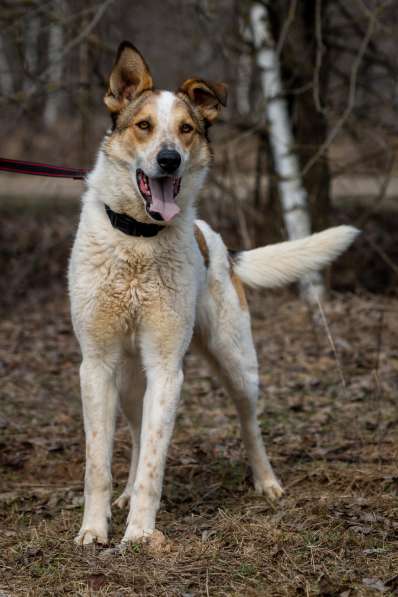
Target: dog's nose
169	160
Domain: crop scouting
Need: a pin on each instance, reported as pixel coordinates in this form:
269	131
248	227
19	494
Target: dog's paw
154	541
136	534
269	487
89	536
122	501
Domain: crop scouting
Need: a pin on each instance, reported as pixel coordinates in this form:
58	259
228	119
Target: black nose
169	160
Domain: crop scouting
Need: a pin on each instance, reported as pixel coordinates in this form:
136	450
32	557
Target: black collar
130	226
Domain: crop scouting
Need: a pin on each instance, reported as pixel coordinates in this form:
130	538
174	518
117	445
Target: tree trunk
293	195
6	82
31	50
84	99
305	65
55	48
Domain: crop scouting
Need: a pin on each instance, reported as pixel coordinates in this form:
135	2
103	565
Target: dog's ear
207	97
130	76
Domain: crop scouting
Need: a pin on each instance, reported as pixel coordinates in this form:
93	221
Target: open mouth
159	195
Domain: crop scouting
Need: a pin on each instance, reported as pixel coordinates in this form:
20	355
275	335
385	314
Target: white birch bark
291	190
55	48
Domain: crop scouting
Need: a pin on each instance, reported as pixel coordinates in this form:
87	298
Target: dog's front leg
99	397
162	357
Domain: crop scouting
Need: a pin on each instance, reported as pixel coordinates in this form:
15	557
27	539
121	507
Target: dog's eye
143	125
186	128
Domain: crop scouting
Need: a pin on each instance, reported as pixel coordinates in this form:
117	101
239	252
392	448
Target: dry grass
334	533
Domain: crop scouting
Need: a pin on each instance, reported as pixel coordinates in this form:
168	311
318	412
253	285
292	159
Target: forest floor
329	419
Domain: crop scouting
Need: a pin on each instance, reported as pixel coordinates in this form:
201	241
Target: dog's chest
124	291
117	294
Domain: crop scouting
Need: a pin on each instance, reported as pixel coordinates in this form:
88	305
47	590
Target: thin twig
291	15
207	582
382	254
378	386
320	48
331	342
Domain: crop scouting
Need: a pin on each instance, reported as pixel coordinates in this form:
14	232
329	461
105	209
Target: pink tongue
163	202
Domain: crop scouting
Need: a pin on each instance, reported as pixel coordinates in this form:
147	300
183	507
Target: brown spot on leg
202	244
240	291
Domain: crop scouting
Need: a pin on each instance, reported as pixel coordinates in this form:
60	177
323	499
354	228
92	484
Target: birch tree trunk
55	48
291	190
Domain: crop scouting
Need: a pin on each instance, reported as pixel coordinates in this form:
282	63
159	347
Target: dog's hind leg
224	337
132	389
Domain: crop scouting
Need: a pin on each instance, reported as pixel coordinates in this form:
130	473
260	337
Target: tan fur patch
240	291
206	97
202	244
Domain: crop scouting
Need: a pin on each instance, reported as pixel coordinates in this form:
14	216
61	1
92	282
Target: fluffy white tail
283	263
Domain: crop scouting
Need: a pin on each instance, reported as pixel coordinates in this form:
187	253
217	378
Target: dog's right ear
130	76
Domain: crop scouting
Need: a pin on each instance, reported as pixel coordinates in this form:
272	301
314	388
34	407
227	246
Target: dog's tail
283	263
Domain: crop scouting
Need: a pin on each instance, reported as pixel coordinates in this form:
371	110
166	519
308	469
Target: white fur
165	102
283	263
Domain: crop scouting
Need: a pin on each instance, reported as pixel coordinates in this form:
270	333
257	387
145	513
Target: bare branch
286	26
351	96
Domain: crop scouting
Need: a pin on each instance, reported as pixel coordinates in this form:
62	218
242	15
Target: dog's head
159	138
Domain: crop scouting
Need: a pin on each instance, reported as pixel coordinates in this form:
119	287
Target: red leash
37	169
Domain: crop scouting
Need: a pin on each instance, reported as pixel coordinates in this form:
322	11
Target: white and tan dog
144	275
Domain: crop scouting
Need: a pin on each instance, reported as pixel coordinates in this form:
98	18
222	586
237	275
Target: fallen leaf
375	583
96	581
374	550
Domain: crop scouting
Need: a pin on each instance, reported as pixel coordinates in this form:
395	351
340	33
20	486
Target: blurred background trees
339	78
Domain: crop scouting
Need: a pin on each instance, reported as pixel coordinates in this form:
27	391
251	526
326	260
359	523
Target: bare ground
330	423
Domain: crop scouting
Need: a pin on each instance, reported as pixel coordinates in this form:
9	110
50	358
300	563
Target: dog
145	277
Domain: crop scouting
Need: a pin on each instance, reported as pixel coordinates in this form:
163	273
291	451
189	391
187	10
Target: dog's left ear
207	97
130	76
